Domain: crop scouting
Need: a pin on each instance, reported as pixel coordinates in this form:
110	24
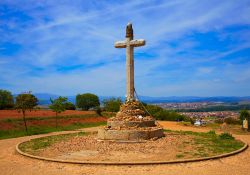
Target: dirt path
13	163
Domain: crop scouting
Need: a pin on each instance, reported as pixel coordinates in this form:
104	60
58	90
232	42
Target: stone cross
129	44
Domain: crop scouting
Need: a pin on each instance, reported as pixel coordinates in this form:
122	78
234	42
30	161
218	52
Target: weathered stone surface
129	44
131	122
129	135
131	111
125	124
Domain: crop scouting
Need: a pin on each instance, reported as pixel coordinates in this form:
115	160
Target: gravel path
13	163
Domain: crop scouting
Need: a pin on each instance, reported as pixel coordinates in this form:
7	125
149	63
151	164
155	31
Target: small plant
179	156
226	136
58	106
212	132
98	111
112	104
191	121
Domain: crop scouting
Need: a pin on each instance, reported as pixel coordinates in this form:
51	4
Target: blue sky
193	48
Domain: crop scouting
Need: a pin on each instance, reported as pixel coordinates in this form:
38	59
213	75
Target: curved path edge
131	163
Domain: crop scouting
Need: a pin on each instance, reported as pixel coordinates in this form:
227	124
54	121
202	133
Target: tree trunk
56	120
24	120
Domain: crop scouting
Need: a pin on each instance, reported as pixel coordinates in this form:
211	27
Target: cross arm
137	42
120	44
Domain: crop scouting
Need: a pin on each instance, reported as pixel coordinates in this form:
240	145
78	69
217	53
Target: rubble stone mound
131	123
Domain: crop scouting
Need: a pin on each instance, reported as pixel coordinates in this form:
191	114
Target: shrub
98	110
112	105
231	120
211	132
162	114
69	106
225	136
191	121
219	121
244	114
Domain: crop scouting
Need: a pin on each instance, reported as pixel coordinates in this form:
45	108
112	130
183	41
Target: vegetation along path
13	163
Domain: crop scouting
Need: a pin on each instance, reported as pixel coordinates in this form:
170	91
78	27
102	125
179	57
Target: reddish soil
4	114
6	126
13	114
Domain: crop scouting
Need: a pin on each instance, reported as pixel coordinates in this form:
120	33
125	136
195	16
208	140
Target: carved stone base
127	124
131	123
129	135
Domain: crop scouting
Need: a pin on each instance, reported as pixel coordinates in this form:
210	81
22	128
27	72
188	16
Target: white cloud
83	33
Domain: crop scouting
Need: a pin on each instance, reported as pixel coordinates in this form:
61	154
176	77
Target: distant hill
44	99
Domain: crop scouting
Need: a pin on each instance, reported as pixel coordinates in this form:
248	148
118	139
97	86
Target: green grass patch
178	156
34	130
207	143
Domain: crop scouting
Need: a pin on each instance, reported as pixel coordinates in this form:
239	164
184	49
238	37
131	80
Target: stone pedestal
130	124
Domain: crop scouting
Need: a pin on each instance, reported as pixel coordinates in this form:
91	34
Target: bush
69	106
6	99
191	121
162	114
219	121
226	136
211	132
98	110
231	120
112	105
87	101
244	114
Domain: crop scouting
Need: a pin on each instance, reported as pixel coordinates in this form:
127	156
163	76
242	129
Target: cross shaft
129	44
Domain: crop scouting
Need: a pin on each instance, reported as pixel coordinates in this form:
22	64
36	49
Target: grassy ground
198	145
230	128
207	144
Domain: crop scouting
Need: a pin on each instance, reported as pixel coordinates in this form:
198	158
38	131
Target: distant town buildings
199	105
187	105
217	114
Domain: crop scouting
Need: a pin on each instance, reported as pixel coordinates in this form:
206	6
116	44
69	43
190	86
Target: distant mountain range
44	98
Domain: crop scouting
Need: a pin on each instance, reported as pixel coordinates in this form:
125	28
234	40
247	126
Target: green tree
24	102
112	104
244	114
58	106
6	99
70	106
162	114
87	101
